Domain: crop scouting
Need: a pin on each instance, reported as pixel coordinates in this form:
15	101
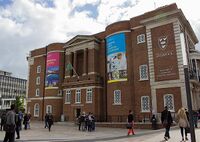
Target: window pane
143	72
169	101
117	97
145	103
89	96
78	96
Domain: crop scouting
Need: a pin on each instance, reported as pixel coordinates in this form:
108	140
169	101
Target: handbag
187	129
129	125
165	123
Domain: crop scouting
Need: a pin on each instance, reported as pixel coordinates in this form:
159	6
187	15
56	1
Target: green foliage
19	103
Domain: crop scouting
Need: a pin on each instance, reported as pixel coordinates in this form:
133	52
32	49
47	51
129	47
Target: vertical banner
52	70
116	58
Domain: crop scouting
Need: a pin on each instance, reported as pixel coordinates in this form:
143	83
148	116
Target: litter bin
154	122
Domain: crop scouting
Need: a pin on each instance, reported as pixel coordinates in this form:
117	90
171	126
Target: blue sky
29	24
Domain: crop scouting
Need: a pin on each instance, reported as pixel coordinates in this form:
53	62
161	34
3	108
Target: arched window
49	109
117	97
145	104
169	101
36	110
143	69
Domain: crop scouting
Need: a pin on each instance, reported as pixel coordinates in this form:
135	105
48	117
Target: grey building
10	88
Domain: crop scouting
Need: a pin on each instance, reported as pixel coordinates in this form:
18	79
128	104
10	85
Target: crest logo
162	42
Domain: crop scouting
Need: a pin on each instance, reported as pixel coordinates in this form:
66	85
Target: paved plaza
68	132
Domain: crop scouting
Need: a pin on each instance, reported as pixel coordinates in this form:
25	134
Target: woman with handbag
183	122
130	123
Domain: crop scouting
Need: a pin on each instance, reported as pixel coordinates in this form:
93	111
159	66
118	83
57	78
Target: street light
187	86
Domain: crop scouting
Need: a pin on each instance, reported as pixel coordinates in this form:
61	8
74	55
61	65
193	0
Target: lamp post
189	103
187	86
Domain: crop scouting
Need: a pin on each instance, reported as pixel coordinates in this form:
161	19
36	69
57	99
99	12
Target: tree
19	102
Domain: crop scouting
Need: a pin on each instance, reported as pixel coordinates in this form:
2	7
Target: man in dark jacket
18	124
167	120
9	126
50	121
3	120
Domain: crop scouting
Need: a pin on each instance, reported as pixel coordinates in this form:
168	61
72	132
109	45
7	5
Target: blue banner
116	58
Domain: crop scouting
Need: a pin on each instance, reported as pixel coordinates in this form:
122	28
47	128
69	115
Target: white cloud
84	2
26	25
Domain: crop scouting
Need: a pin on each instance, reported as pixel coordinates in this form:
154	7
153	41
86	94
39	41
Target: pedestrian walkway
68	132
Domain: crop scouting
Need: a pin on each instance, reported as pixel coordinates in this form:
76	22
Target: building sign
164	53
52	70
162	42
116	58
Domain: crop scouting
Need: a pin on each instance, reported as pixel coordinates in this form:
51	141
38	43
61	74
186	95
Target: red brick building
135	64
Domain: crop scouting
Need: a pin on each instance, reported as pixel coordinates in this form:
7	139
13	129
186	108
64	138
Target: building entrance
77	112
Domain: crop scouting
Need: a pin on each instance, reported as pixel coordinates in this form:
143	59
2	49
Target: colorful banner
52	70
116	58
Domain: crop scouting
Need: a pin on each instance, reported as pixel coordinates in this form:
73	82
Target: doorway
77	112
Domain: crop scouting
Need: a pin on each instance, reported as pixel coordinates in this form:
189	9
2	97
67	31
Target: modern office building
136	65
10	88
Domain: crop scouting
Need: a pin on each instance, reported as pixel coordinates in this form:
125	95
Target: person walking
166	120
130	123
9	126
3	120
46	121
195	118
183	122
25	121
50	121
81	122
18	124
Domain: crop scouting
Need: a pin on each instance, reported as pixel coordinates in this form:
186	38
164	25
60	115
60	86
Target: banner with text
116	58
52	70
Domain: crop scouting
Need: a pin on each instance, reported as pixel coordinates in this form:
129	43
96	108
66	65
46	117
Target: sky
26	25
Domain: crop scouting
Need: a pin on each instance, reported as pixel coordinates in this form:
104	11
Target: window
38	80
78	96
68	97
141	38
117	97
36	110
38	69
145	104
89	95
49	109
37	92
169	101
143	72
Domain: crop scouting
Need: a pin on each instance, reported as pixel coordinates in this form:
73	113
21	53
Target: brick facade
160	52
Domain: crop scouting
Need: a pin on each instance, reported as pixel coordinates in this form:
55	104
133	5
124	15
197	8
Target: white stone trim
45	98
74	88
159	16
67	76
149	26
52	98
177	31
125	31
93	73
38	98
138	27
38	56
89	45
55	51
